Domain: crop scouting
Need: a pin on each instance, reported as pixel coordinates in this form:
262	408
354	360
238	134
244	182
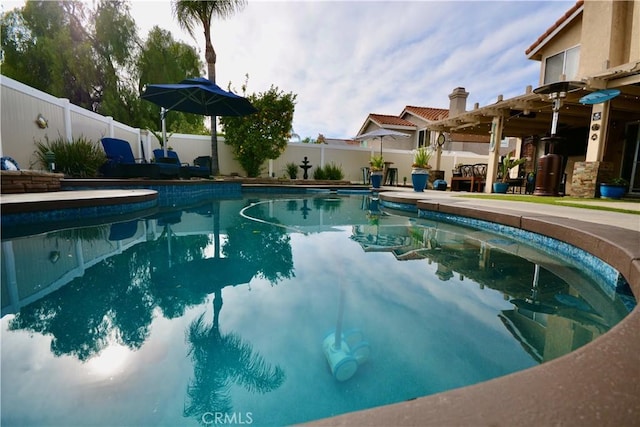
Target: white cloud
346	59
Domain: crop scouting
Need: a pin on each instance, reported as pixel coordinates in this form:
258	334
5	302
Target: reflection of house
555	310
547	336
381	238
596	43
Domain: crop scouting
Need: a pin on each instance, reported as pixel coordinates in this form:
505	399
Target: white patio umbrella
381	133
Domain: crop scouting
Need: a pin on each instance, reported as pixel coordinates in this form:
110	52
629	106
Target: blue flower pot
419	180
610	191
500	187
376	179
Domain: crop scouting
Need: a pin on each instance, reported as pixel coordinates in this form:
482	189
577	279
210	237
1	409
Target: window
562	66
424	138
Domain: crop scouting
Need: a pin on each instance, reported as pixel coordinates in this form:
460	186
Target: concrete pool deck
598	384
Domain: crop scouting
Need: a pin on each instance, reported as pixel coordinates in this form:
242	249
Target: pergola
532	113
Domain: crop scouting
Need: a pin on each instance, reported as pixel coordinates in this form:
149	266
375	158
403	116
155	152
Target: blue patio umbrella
198	96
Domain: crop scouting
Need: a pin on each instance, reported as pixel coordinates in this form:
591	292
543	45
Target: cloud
346	59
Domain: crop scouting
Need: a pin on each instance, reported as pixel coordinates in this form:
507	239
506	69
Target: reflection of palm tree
220	360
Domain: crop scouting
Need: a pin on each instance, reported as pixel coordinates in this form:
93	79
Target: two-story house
593	48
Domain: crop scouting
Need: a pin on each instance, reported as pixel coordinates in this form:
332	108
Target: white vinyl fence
21	106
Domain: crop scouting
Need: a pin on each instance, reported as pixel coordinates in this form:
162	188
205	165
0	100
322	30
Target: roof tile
384	119
428	113
555	26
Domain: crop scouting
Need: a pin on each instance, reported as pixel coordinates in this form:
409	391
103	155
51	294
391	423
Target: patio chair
122	164
186	170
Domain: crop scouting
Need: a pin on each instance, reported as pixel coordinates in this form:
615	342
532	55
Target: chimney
458	101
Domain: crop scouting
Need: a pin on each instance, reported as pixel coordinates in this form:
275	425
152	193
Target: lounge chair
186	170
122	164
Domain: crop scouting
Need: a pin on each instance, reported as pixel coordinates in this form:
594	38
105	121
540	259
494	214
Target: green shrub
78	158
292	170
328	172
333	172
318	174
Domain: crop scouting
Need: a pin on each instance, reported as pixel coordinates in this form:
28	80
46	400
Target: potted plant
614	189
420	168
376	166
507	164
292	170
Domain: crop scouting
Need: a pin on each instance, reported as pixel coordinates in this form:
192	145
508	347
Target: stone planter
29	181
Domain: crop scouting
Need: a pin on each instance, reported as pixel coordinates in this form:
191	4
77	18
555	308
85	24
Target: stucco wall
567	38
608	33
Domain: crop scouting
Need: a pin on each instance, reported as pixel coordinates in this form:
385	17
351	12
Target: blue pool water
219	313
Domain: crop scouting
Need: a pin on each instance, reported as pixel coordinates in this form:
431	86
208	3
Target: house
593	48
414	121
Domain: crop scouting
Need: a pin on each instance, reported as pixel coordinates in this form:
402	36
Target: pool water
273	310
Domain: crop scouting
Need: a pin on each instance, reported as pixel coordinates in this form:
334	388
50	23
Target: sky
347	59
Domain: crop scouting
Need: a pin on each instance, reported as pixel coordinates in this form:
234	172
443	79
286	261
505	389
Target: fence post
68	130
111	128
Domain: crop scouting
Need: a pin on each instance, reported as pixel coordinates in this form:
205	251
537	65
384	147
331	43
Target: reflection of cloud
111	361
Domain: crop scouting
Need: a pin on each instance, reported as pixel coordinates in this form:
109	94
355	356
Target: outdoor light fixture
54	256
42	122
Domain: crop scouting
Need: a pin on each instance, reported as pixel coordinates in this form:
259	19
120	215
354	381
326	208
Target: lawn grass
575	202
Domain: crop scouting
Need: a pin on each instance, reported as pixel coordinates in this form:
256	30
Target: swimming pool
123	324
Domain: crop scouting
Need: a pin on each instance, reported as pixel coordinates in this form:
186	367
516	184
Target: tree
263	135
94	58
69	51
164	60
190	13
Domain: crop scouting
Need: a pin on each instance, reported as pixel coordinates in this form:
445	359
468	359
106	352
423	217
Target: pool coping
58	200
32	213
598	383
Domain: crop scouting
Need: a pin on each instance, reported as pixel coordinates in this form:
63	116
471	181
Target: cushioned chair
122	164
186	170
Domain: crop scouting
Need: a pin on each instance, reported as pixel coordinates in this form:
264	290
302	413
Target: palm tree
190	14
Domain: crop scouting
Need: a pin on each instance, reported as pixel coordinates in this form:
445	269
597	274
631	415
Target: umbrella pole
163	113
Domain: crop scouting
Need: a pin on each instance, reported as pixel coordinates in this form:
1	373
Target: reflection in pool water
218	313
